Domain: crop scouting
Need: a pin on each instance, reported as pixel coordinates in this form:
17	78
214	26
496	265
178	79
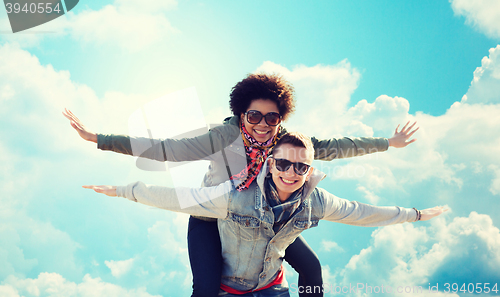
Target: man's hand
79	127
400	139
106	190
430	213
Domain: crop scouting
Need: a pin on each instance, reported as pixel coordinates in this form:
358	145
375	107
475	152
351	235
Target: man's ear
270	162
309	173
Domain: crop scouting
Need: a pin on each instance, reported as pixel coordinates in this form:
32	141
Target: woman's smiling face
261	131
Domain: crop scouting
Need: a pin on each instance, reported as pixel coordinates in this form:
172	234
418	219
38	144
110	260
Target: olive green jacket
223	147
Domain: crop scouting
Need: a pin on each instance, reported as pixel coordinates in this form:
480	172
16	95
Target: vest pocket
246	227
305	224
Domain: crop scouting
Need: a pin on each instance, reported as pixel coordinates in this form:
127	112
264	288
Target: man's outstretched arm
360	214
208	202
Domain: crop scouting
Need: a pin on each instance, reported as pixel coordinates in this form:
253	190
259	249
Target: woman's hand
106	190
430	213
400	139
79	127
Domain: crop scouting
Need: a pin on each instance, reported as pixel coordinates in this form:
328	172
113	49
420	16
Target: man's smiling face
289	181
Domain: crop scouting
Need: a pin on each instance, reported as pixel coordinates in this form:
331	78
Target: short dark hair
263	86
296	139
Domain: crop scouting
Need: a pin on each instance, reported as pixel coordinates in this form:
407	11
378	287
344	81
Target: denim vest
252	252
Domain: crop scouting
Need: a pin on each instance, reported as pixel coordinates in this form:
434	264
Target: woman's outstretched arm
75	122
348	147
204	146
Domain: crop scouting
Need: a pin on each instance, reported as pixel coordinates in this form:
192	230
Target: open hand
400	139
106	190
430	213
79	127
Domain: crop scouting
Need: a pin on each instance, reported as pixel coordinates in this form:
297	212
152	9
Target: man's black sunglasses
298	167
255	116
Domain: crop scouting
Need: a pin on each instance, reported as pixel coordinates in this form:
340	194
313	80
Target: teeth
287	181
261	132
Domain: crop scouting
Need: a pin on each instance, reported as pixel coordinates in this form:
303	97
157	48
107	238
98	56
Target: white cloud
119	268
495	183
148	6
39	93
484	15
323	91
29	245
53	151
164	237
407	255
8	291
369	195
485	87
7	92
328	246
450	147
124	27
54	285
125	24
452	150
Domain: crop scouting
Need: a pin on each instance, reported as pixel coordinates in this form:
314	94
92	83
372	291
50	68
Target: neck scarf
283	211
257	153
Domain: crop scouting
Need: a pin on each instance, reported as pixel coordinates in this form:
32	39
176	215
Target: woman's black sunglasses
298	167
255	116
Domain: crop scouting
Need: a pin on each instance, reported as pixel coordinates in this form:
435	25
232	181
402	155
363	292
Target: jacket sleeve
174	150
347	147
208	202
359	214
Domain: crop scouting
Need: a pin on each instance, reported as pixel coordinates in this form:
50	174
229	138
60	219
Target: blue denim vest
252	252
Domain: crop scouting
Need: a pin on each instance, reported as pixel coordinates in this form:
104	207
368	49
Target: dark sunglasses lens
254	117
272	119
283	164
300	168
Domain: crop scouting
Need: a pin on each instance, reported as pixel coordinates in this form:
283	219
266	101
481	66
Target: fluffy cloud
119	268
482	14
130	24
406	255
31	166
150	6
369	195
328	246
54	285
37	94
330	88
460	140
485	87
495	183
450	147
28	246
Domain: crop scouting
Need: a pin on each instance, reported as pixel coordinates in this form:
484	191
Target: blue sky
360	68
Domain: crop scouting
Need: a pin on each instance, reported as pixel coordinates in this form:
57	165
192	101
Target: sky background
360	68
